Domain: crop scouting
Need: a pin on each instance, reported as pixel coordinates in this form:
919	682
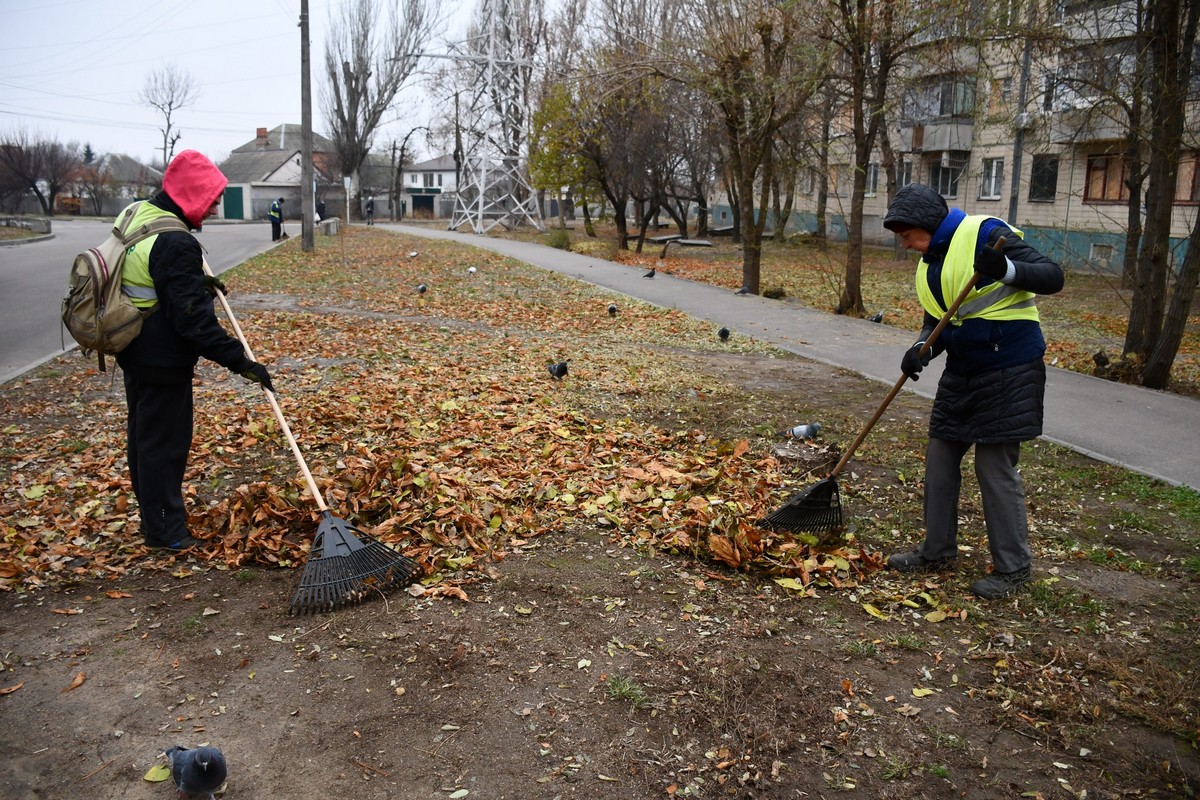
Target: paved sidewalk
1154	433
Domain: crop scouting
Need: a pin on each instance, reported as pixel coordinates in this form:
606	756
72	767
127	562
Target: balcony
946	134
1082	125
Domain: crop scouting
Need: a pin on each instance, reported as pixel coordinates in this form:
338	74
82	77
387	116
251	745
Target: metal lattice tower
492	189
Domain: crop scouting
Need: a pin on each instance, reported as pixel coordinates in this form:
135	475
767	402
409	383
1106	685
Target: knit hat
916	206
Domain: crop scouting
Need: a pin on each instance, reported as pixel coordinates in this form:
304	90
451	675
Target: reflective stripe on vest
136	283
997	300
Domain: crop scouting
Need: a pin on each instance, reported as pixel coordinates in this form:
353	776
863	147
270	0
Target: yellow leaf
873	611
937	615
919	691
790	583
157	773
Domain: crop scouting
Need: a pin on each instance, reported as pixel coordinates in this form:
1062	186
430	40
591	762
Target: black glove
914	361
991	263
253	371
212	283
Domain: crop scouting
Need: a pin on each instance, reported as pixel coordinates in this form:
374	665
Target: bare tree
41	166
369	56
169	89
95	179
1153	336
873	38
759	65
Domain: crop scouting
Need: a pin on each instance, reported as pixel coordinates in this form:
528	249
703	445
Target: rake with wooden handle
818	509
344	565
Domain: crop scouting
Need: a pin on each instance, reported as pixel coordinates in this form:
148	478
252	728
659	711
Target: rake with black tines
345	565
818	509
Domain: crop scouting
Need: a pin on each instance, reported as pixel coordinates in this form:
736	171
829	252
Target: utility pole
307	198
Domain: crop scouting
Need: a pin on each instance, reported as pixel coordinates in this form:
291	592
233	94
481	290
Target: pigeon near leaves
651	273
723	334
878	317
470	270
197	771
422	288
612	309
557	371
413	254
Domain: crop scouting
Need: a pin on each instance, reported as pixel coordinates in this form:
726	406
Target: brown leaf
115	595
66	611
75	684
11	689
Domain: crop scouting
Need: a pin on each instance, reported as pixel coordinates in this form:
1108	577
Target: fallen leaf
157	773
66	611
919	691
115	595
11	689
75	684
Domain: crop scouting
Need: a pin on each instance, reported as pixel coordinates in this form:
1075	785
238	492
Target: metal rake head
346	566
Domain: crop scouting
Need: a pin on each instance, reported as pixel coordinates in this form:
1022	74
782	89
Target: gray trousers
1003	501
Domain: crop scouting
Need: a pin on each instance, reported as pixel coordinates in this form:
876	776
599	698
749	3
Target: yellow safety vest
136	283
997	300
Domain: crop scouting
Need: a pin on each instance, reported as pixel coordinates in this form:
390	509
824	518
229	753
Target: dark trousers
158	440
276	229
1003	501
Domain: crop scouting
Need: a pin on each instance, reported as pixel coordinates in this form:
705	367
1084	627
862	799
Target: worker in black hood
993	385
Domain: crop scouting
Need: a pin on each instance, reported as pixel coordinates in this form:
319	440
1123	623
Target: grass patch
626	690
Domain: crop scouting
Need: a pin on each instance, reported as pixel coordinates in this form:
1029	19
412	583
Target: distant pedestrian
276	216
165	274
992	389
320	210
370	210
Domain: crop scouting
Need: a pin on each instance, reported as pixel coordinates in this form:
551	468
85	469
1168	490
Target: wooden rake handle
287	431
925	348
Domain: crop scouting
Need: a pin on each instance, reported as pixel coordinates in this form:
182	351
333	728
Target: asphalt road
33	280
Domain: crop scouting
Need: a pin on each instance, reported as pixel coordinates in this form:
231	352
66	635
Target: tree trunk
702	216
1157	372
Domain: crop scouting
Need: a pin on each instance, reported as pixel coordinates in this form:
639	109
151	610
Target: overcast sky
72	70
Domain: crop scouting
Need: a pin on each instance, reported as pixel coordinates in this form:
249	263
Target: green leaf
35	492
157	773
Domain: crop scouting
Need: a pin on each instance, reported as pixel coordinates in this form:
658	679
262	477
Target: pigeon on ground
742	290
801	432
723	334
470	270
198	771
557	371
413	254
878	317
612	309
422	288
650	274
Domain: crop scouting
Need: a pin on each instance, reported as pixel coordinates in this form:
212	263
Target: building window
999	96
1105	180
1049	81
957	98
991	183
872	187
944	175
439	179
904	173
1043	179
837	179
1187	188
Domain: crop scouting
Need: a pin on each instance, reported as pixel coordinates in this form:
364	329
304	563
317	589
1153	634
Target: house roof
439	164
125	169
284	138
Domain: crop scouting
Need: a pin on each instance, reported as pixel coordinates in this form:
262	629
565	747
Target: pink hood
193	182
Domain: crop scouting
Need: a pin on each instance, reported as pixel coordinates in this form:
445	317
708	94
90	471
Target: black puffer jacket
183	326
1004	405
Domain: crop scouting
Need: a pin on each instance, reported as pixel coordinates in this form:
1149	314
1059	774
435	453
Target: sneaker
186	543
915	562
999	585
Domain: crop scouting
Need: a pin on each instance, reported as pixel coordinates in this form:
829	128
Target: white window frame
991	180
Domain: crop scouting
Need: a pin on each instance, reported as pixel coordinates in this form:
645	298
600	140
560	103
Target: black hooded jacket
183	326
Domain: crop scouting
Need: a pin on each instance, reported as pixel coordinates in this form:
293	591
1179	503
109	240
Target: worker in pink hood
164	275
